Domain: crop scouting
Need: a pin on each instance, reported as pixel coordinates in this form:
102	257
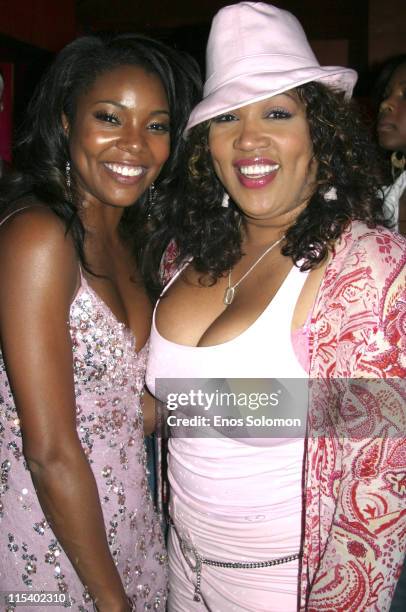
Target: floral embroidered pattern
354	546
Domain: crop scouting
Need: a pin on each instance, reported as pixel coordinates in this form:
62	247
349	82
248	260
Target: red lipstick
256	172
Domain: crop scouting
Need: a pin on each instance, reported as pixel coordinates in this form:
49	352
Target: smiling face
263	155
119	137
392	113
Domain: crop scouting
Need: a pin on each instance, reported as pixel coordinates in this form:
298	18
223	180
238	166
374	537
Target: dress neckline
85	286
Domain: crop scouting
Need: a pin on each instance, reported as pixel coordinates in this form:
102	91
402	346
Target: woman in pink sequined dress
76	513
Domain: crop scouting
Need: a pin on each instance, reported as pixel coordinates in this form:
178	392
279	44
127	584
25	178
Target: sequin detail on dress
108	376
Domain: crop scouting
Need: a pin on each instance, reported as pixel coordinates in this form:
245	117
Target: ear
65	125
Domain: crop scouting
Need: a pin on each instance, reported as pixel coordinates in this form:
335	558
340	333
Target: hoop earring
225	202
398	160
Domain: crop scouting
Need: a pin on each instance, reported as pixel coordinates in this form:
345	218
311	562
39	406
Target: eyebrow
395	83
389	89
289	95
124	107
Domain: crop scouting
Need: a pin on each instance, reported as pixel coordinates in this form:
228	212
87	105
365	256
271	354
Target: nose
250	136
131	139
387	105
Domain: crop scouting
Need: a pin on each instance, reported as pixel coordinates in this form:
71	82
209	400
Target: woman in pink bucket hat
283	270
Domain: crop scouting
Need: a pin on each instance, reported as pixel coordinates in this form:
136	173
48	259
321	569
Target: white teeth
258	169
125	170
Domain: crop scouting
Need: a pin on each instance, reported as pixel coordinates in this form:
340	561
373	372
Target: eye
385	94
278	113
107	117
225	118
159	126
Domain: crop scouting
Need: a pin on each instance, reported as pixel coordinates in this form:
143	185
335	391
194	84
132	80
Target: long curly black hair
347	159
42	147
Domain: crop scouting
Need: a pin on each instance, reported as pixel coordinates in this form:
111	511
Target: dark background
356	33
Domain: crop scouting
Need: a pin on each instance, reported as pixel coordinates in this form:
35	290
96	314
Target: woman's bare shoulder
33	225
33	238
30	216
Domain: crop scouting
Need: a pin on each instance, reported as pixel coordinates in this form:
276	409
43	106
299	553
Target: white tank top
263	350
236	479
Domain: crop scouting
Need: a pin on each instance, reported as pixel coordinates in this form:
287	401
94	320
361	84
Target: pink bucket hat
256	51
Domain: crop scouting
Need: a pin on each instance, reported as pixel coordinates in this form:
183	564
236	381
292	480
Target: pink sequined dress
109	376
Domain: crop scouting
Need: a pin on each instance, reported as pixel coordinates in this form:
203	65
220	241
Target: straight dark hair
42	147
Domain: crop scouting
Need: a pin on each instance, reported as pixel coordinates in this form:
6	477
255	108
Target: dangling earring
151	199
68	180
225	202
331	194
67	174
151	194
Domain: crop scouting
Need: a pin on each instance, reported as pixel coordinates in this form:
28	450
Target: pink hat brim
244	90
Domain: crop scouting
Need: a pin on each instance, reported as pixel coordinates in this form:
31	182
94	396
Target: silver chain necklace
230	290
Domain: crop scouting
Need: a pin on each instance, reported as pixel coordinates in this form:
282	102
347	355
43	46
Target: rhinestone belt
195	562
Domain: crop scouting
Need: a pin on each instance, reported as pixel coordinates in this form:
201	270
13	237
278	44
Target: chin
123	202
389	144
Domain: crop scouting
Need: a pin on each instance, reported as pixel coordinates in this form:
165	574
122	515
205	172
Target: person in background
284	269
391	129
102	145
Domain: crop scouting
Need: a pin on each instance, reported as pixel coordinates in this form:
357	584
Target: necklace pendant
228	295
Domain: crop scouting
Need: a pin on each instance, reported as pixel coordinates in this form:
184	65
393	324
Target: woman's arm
365	546
38	278
356	541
